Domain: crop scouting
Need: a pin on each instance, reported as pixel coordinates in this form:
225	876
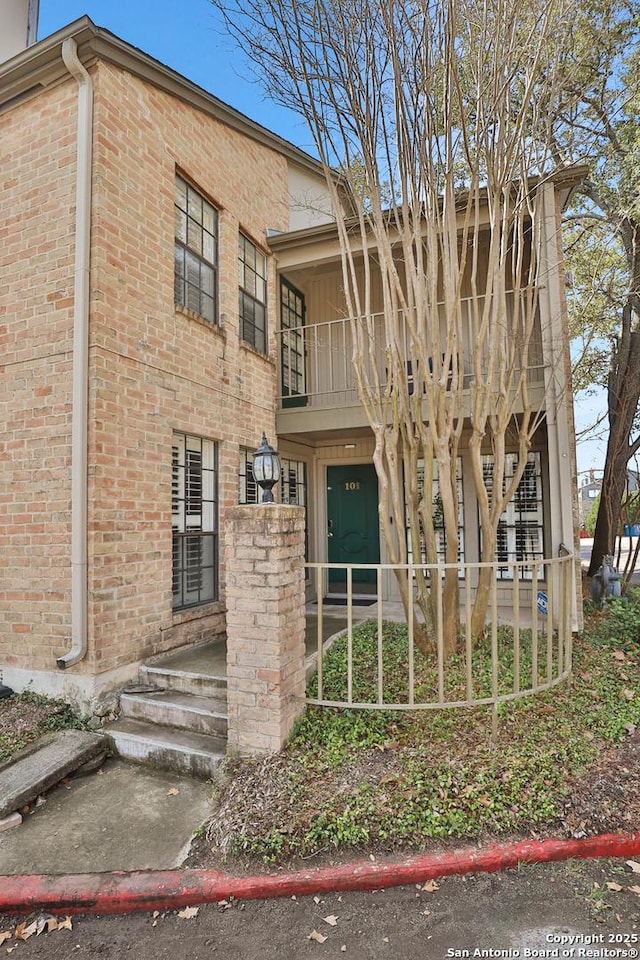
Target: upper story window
196	252
252	280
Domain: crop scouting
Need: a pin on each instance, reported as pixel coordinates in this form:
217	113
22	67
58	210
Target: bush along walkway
565	763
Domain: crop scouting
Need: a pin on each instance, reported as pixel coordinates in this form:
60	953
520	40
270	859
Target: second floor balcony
316	370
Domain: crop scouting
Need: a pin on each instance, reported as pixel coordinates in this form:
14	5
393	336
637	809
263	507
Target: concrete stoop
44	763
175	718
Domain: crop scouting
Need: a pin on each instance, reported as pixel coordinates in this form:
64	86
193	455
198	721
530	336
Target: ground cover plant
26	717
564	762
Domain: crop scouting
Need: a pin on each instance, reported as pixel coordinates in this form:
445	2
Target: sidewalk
126	817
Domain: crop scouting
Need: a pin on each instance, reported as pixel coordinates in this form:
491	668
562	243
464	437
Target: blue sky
188	36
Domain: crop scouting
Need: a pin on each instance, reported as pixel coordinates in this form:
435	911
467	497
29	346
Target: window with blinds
194	509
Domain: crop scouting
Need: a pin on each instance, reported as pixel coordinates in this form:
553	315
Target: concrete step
198	684
44	763
181	751
173	708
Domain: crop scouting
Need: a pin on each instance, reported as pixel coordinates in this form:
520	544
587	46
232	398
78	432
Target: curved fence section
382	656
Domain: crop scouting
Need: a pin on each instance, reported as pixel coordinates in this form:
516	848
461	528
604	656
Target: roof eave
41	65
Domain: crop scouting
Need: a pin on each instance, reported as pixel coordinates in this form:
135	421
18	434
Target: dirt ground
514	913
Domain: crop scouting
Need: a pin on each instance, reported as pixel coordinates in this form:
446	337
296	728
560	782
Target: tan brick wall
153	368
265	625
37	198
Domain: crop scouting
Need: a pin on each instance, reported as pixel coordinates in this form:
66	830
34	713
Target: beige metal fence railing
316	359
375	663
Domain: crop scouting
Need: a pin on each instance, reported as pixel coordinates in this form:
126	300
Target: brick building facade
170	288
175	387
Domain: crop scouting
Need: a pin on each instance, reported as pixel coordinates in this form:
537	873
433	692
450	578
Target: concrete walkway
126	817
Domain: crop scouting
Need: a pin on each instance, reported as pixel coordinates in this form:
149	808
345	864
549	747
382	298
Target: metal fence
376	662
316	366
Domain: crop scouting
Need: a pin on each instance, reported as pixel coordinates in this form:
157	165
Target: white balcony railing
316	367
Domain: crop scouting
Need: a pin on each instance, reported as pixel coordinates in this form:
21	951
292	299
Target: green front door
352	513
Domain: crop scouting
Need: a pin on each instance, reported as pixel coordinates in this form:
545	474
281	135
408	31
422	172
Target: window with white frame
252	280
249	491
520	530
196	252
438	515
194	507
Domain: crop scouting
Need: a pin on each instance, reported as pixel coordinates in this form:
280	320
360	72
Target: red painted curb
167	889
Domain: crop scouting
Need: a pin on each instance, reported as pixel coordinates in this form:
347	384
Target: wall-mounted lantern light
266	469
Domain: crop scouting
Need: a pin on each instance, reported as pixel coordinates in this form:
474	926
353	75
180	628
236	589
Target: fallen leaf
619	655
331	920
385	939
155	914
635	890
343	948
614	886
588	735
5	935
629	694
24	930
635	866
618	918
173	792
314	935
189	913
426	913
630	728
316	899
65	924
430	886
52	924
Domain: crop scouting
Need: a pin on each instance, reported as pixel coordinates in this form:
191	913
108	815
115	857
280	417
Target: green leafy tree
598	119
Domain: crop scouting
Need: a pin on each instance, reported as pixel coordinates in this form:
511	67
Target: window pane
194	236
209	218
195	251
208	248
181	193
207	308
194	208
194	520
207	279
520	532
181	225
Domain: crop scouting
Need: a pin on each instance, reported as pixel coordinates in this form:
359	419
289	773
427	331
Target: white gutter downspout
79	412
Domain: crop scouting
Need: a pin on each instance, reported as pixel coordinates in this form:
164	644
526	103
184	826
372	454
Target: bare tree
430	111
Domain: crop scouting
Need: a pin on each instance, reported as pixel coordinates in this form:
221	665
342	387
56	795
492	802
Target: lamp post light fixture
266	469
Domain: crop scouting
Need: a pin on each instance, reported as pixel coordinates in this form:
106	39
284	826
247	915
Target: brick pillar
264	581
